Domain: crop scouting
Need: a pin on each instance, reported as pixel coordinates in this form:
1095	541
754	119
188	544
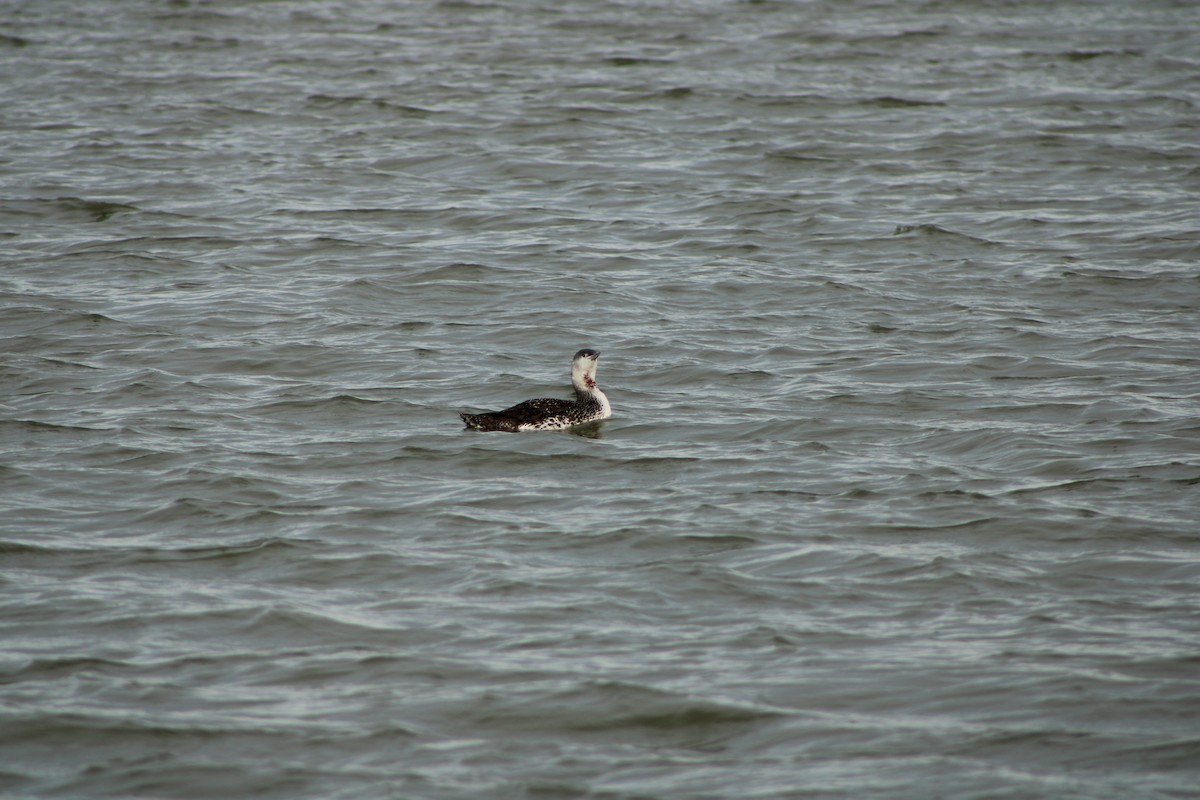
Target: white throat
583	379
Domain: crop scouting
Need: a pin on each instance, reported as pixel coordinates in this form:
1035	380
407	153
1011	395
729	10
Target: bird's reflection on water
588	430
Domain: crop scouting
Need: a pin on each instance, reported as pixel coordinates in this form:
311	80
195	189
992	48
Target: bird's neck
592	395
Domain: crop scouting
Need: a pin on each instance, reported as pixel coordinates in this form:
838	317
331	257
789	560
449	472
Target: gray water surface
899	307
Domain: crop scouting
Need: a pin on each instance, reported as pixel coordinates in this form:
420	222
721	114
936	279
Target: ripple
898	310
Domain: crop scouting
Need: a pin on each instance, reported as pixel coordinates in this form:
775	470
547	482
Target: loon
548	413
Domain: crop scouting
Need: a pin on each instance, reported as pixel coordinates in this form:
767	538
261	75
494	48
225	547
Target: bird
550	413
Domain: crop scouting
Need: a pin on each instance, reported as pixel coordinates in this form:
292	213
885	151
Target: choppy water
900	312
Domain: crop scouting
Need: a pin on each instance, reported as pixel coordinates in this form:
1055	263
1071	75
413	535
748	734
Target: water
899	307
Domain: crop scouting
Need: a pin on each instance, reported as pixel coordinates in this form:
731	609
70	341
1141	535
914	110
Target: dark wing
521	414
